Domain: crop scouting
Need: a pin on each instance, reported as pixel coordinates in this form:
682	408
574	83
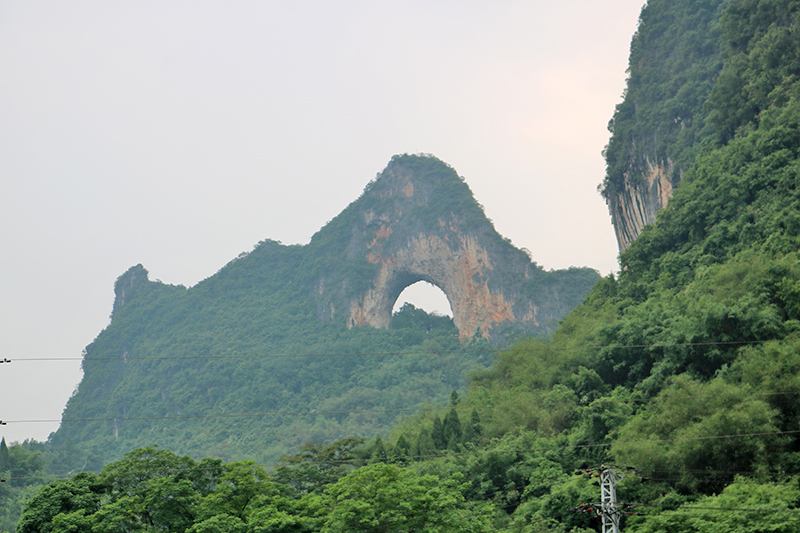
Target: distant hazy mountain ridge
173	356
684	365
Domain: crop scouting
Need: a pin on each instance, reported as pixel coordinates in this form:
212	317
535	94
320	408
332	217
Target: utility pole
608	508
4	360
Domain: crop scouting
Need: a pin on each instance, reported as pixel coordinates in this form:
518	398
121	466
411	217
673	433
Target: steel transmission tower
608	509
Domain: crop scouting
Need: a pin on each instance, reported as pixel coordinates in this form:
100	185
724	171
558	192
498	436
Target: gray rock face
419	221
636	204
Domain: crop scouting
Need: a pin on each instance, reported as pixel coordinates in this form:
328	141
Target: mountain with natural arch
418	221
290	344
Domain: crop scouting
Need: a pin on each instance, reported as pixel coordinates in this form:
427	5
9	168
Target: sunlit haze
179	134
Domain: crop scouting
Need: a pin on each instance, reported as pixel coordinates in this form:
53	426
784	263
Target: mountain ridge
178	352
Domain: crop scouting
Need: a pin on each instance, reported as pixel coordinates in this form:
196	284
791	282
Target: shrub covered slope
258	359
685	366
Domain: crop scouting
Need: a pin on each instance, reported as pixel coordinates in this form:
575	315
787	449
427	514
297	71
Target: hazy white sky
179	134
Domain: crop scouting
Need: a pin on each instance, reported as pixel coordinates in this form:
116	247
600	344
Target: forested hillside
685	366
258	359
682	372
276	349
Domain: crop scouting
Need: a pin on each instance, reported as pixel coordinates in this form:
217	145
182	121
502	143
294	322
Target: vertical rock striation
656	131
636	202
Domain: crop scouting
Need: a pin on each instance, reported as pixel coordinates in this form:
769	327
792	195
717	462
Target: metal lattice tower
609	510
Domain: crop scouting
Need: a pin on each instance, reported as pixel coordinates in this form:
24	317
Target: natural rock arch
418	221
460	273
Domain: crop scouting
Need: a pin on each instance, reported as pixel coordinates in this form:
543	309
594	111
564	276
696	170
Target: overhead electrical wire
245	415
366	460
462	409
426	352
645	441
691	507
535	450
263	356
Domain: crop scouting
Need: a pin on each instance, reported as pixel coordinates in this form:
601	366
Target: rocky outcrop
129	283
246	339
419	221
461	272
660	125
636	202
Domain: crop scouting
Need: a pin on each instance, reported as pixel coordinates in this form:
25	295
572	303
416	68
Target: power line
526	451
437	352
711	471
689	506
246	415
592	445
462	409
262	356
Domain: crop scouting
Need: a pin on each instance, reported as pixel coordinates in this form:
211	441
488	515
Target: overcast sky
178	134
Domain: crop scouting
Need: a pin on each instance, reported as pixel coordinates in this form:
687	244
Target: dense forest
682	372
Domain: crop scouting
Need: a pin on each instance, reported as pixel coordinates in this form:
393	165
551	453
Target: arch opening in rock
426	296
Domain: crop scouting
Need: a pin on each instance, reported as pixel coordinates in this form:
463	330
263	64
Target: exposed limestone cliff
419	221
636	202
657	129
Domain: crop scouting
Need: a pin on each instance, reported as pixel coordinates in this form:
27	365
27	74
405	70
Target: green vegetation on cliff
663	122
686	365
211	376
258	359
674	63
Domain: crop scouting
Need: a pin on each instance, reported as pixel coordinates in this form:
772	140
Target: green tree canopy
393	499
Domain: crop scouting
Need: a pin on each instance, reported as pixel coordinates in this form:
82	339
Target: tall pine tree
473	430
451	429
5	457
437	434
